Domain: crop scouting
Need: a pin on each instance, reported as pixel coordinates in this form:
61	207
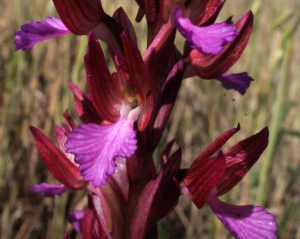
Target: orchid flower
209	178
120	99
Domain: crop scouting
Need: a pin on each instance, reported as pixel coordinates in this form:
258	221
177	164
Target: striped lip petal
96	147
34	32
208	40
49	190
244	222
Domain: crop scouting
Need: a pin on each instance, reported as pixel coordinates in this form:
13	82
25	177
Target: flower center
130	103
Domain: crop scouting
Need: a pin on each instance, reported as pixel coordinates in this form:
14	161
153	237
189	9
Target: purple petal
239	82
208	40
75	218
244	222
96	147
49	190
34	32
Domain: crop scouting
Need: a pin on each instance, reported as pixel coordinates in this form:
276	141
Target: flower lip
209	39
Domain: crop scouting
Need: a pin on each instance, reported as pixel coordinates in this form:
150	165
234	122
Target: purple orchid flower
209	39
34	32
49	190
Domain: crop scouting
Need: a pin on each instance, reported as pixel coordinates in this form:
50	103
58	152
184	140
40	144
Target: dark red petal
57	163
212	66
216	145
136	68
87	224
205	12
158	198
69	120
84	107
104	90
240	158
203	176
80	17
121	17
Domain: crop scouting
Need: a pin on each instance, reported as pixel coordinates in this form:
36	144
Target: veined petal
239	82
34	32
49	190
244	222
203	176
210	39
96	147
79	16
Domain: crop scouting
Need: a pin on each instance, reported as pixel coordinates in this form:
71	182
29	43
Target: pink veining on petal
244	222
96	147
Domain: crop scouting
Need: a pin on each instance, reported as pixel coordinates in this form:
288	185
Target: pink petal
96	147
34	32
208	40
49	190
244	222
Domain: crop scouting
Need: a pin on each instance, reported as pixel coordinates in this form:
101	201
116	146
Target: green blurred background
34	91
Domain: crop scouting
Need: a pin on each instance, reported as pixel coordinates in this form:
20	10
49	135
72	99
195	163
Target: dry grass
33	91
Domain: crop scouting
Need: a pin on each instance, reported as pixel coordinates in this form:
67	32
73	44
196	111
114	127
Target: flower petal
240	158
203	176
34	32
105	90
79	16
212	66
244	222
96	147
49	190
55	160
239	82
208	40
75	218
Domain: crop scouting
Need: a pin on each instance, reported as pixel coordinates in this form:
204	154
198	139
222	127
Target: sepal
203	176
58	164
80	17
240	158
